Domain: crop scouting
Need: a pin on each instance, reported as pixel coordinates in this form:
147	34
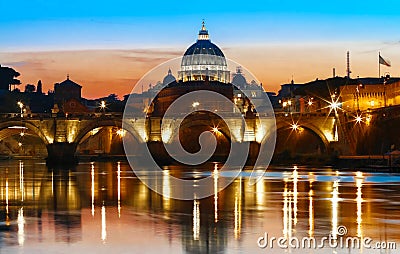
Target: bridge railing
91	115
304	115
19	116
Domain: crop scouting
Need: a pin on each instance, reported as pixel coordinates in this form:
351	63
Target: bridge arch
25	138
191	128
223	129
26	124
284	130
309	126
86	132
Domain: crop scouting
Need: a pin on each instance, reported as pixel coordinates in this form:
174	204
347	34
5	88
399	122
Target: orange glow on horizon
103	72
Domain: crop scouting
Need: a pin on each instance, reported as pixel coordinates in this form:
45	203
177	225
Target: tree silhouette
30	88
8	77
39	87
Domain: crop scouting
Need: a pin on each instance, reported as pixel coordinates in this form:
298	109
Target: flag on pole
383	61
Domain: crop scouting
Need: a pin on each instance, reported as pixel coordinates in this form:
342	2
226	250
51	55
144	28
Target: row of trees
8	77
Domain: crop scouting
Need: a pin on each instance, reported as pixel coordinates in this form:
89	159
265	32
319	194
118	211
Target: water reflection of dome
204	59
169	78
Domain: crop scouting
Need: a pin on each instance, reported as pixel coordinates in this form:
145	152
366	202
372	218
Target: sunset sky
106	46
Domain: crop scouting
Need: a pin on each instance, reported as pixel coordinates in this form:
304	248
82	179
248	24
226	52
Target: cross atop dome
203	33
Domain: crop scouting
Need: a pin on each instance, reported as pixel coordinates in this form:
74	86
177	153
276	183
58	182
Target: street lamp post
357	98
385	79
21	106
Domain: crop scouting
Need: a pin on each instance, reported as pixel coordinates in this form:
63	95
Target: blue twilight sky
73	24
111	44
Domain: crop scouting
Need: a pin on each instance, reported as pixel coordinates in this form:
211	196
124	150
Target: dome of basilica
204	59
169	78
238	79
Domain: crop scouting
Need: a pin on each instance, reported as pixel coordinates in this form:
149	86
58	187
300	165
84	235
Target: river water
102	207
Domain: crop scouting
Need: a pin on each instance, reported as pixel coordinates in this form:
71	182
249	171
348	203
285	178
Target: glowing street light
21	106
295	126
334	105
216	131
103	105
358	119
310	102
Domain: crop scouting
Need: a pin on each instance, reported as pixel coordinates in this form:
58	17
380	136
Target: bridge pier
61	153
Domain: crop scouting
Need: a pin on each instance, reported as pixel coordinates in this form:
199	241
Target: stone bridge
62	134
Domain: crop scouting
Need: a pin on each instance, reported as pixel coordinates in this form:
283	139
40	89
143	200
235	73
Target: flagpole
379	65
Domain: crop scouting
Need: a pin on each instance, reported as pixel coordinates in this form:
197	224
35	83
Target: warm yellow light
102	104
289	102
310	102
368	119
121	132
372	103
334	105
295	126
22	134
284	104
358	119
20	104
19	144
195	104
196	220
103	224
95	131
216	131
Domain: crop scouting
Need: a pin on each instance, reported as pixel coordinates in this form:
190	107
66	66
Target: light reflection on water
103	207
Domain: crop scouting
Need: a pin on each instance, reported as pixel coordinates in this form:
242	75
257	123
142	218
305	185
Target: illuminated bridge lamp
103	105
216	131
295	126
334	105
358	119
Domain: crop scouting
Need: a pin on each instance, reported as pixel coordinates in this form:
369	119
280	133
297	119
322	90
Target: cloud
14	64
380	47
